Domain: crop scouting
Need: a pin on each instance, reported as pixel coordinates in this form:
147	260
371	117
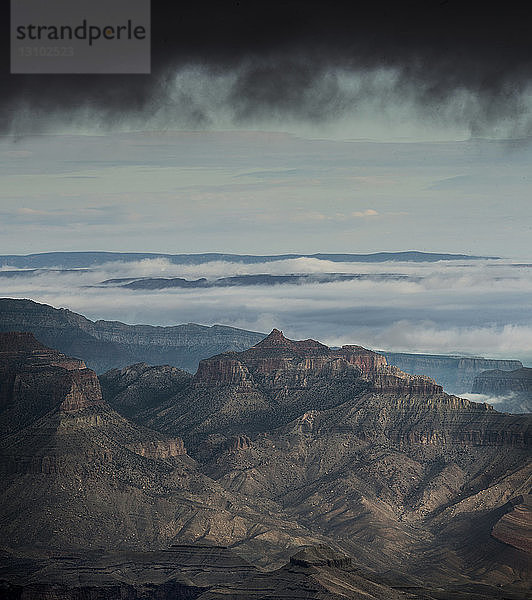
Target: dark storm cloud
287	60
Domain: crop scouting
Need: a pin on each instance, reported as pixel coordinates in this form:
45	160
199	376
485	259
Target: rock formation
455	373
105	345
35	379
206	572
277	379
140	387
510	390
515	527
501	382
398	487
78	475
356	448
278	363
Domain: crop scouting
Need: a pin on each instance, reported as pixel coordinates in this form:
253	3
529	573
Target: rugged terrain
104	345
77	475
455	373
513	389
205	572
284	446
351	448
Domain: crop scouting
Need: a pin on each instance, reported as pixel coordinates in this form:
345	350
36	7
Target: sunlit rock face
279	380
277	362
35	379
283	446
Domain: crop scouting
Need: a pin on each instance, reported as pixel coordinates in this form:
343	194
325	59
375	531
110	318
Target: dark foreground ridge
340	475
208	572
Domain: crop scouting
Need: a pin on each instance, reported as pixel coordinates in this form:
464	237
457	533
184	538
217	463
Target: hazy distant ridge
89	259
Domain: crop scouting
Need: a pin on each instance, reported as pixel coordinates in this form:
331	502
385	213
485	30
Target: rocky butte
105	345
278	379
402	490
35	379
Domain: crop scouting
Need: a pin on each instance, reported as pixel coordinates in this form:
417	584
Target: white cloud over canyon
473	307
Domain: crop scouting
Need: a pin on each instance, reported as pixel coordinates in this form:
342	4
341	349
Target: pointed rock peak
276	341
275	338
276	334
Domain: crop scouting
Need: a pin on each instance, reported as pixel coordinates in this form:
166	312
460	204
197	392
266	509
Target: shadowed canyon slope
282	446
203	572
78	475
384	463
104	345
513	386
455	373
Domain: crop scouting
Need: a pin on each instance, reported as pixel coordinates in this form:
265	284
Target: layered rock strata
515	527
510	391
277	363
105	345
455	373
289	444
76	474
278	380
497	383
35	379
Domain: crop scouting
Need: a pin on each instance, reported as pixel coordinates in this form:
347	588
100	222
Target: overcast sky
263	193
252	135
291	127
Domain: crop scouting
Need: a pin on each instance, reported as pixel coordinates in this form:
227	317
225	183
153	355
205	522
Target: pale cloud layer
479	308
488	398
